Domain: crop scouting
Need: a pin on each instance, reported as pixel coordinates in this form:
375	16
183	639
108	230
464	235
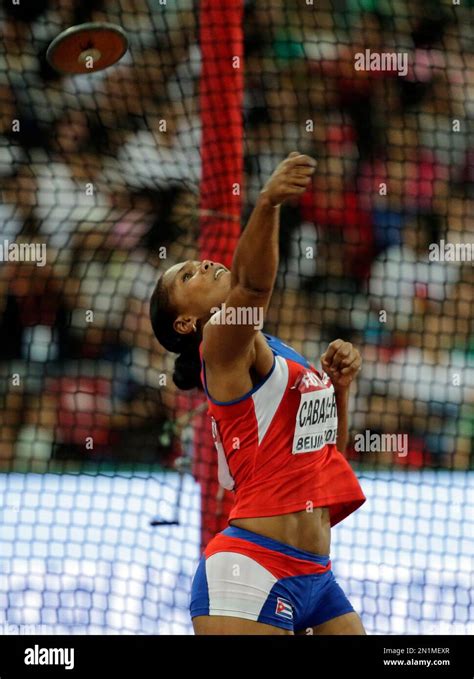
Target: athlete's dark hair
187	366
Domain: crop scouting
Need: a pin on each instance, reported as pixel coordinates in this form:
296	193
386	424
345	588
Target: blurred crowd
88	168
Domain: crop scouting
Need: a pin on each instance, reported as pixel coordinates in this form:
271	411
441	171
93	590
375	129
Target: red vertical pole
221	102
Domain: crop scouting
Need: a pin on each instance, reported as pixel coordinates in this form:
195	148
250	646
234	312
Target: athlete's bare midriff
310	531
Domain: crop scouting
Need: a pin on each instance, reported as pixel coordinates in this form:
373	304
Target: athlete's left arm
341	361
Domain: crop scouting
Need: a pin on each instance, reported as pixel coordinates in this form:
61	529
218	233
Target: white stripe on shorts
238	585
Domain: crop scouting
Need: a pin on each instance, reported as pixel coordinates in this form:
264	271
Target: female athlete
278	426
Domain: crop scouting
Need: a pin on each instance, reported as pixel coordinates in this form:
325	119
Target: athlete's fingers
301	159
295	190
299	181
331	350
353	367
337	353
350	358
348	353
302	172
342	354
324	363
300	186
304	169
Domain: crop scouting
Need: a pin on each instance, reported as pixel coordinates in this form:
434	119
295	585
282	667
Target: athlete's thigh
349	623
222	624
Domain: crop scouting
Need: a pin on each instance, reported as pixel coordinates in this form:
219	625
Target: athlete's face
195	289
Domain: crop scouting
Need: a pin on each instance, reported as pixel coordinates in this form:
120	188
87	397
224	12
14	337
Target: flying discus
87	48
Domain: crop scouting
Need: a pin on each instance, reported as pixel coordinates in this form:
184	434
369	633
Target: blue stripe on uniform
281	349
200	591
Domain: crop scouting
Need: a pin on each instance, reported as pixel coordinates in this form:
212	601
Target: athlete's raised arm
254	267
191	296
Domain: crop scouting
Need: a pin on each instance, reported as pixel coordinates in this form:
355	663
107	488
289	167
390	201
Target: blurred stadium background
108	169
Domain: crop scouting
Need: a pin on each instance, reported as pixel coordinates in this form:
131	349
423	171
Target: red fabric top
276	445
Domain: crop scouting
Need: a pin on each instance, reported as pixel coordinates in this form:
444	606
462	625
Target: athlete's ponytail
187	366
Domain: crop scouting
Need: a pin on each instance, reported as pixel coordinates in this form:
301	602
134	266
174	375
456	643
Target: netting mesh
110	178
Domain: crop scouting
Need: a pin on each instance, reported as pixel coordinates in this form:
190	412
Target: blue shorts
246	575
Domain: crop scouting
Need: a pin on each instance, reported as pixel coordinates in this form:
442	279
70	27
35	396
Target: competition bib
316	419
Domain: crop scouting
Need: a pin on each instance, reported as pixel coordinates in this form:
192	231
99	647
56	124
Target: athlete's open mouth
218	272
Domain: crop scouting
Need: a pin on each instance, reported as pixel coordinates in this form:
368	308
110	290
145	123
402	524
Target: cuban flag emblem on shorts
284	608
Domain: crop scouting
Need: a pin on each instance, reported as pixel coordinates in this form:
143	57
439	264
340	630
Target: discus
87	48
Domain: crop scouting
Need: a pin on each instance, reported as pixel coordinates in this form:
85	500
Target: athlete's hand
290	179
341	361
